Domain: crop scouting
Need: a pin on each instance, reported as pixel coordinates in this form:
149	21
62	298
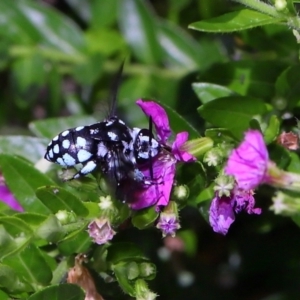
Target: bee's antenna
114	90
150	142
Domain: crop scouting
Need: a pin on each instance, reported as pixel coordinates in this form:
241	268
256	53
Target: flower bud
142	291
285	204
180	192
168	221
147	269
213	157
224	185
65	217
100	231
280	5
132	270
198	147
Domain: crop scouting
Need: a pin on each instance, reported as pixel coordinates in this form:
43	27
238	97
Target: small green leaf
233	113
138	24
59	292
57	198
50	127
205	194
23	180
189	239
207	92
294	165
235	21
30	264
30	147
144	217
272	131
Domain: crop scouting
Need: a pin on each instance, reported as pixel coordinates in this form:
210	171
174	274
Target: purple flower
249	162
164	166
223	209
100	231
7	197
168	224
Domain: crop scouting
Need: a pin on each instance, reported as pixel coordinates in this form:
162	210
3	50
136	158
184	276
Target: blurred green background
59	57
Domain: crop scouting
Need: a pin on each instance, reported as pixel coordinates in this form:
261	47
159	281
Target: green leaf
189	239
50	127
16	227
27	21
82	8
51	230
30	147
7	244
294	165
251	78
23	180
60	292
119	252
287	88
178	123
10	280
219	135
280	156
30	264
90	70
179	49
139	26
57	198
235	21
105	40
3	296
207	92
77	242
233	113
195	178
144	217
34	68
272	130
104	13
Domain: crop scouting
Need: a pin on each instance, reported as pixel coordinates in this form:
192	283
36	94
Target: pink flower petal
159	117
221	214
179	154
159	192
248	163
7	197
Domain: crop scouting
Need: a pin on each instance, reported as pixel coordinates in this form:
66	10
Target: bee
110	145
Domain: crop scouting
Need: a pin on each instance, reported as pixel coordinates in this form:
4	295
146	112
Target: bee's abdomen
71	147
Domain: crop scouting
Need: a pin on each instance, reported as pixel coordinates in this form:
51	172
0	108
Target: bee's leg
87	168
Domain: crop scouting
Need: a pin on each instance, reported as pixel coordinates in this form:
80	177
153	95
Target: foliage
57	63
